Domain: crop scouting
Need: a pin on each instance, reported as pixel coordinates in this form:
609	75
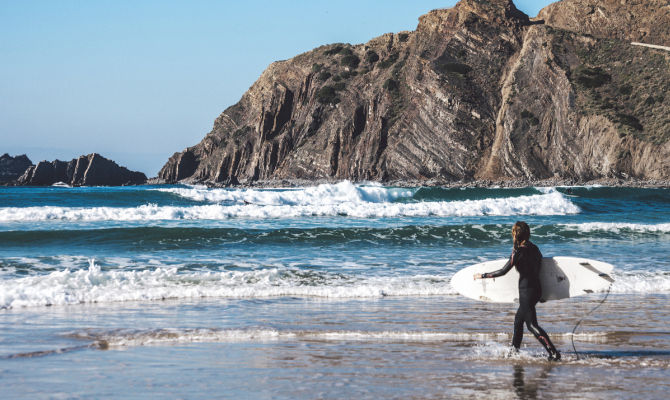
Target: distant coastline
86	170
19	171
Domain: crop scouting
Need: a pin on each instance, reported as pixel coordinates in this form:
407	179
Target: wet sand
297	348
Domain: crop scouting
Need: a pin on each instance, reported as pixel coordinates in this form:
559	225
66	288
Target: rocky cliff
645	21
90	170
477	91
12	167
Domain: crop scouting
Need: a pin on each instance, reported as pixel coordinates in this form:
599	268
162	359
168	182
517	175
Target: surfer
527	259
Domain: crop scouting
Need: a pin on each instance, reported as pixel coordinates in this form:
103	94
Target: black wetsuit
527	259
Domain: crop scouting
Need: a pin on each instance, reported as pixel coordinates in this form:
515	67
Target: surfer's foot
554	356
511	351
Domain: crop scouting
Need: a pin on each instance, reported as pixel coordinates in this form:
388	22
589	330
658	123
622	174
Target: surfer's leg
541	335
519	319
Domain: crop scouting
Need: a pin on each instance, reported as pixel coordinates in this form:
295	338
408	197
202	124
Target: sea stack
90	170
11	168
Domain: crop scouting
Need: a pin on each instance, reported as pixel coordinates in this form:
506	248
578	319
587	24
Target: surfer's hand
477	276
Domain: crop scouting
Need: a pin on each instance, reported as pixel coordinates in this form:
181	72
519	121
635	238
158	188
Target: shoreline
490	184
514	183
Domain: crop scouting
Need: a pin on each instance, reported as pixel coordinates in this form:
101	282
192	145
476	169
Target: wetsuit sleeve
502	271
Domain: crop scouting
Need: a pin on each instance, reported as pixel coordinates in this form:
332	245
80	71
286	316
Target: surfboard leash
572	337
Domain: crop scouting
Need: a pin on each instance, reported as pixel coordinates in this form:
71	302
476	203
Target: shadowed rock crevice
359	121
334	155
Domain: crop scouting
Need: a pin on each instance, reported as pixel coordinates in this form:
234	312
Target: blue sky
138	80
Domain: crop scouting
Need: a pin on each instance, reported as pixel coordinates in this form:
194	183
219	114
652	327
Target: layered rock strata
476	92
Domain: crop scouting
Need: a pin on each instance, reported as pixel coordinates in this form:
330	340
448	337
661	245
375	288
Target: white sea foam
176	336
619	227
497	350
94	285
61	184
643	282
371	205
343	192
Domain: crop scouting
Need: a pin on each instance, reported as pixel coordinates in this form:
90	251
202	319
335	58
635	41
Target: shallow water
325	292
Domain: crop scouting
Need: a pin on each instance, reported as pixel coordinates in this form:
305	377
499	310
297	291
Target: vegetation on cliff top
625	83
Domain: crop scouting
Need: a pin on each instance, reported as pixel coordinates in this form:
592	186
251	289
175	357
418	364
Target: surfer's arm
502	271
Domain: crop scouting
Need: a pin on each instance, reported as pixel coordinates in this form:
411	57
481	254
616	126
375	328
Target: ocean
331	291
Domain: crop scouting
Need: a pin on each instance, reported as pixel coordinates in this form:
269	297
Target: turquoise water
329	291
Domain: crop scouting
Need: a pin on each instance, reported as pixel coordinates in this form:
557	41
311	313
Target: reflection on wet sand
528	388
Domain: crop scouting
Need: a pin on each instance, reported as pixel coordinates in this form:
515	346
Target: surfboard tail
596	271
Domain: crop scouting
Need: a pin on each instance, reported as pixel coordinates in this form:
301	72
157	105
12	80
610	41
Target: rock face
645	21
90	170
477	91
13	167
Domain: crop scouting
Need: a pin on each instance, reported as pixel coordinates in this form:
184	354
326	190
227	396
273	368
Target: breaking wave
343	199
618	227
343	192
94	285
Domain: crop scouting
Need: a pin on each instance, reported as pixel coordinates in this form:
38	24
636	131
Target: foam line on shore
126	337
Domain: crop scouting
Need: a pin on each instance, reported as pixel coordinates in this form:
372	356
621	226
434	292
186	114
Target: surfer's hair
520	233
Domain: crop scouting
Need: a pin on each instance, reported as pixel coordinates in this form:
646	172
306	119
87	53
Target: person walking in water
527	259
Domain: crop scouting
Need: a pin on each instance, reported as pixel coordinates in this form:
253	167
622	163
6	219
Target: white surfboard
560	277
